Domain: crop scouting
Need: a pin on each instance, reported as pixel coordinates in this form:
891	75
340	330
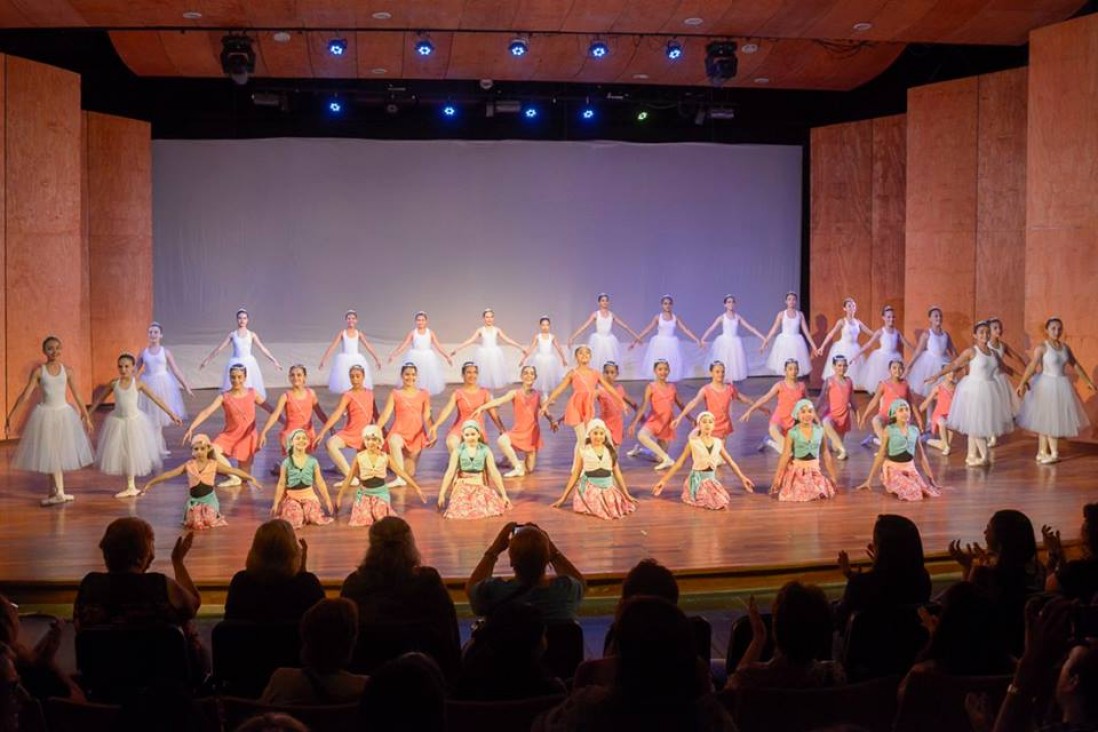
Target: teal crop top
901	447
806	448
472	463
300	477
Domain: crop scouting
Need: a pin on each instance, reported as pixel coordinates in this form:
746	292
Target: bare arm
369	349
467	342
579	330
871	405
929	397
157	401
772	331
920	346
499	402
448	478
711	328
70	378
402	347
577	468
345	486
220	347
830	334
613	392
621	483
318	480
263	349
868	344
926	463
32	382
202	417
438	347
637	338
177	372
166	475
97	401
626	328
750	328
333	418
878	461
760	401
494	478
557	392
689	332
560	352
387	410
748	484
640	412
447	410
277	412
331	348
529	349
507	339
783	461
804	329
280	488
658	488
685	411
903	339
1079	368
403	475
956	365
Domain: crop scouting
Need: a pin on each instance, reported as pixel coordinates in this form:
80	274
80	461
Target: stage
758	543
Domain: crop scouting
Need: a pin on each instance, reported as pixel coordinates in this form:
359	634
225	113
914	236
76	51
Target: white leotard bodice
545	344
1000	351
488	335
421	341
705	458
982	367
350	345
125	400
730	326
603	325
791	326
1053	362
936	345
53	387
242	347
156	364
890	342
851	331
666	327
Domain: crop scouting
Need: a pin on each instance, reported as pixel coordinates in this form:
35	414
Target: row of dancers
130	445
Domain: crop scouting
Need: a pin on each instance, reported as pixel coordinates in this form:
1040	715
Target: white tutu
129	445
254	378
854	369
728	349
926	365
53	441
787	346
980	408
165	386
1052	407
667	348
1015	402
339	379
604	347
876	368
429	374
492	367
550	371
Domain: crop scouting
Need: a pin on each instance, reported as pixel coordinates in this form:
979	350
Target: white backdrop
299	230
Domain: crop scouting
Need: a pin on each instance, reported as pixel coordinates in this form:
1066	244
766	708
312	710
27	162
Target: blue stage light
424	47
598	49
335	106
337	46
587	113
518	47
449	110
530	112
674	50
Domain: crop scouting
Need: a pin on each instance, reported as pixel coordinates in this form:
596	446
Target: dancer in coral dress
665	345
895	387
494	370
469	479
599	486
603	343
611	407
701	487
425	352
372	501
242	340
238	439
728	346
296	406
942	396
788	391
54	438
525	434
657	433
845	332
718	397
836	405
896	458
798	476
358	404
581	405
788	344
299	478
1052	408
410	408
348	341
157	369
465	399
549	359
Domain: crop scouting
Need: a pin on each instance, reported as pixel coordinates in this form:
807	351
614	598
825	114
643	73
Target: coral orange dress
238	439
611	412
839	394
525	433
787	397
942	402
892	392
718	401
360	412
408	418
299	416
466	401
581	406
660	413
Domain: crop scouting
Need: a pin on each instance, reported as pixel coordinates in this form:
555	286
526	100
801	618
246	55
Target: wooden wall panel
889	221
1061	208
940	251
1001	196
4	366
119	204
42	267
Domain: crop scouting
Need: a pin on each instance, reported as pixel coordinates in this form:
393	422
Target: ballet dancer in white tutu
788	343
932	353
728	348
158	370
981	404
53	440
489	358
845	332
243	340
603	343
424	352
348	340
665	345
1052	408
1006	354
888	339
129	443
549	359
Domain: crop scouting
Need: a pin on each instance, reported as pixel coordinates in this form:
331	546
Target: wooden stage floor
45	550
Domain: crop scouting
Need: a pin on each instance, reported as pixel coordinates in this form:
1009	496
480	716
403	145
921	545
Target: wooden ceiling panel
427	67
534	16
610	67
275	14
587	17
557	58
742	19
143	52
286	60
641	15
11	16
195	53
46	13
377	51
480	14
326	66
441	14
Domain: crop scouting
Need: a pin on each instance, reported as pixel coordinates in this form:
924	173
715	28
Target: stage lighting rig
237	58
720	62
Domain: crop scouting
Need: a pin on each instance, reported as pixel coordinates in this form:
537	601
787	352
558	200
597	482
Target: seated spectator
391	587
128	594
328	633
802	627
407	693
1077	579
655	687
504	660
272	722
1008	570
962	641
37	667
898	576
12	694
530	551
274	586
647	577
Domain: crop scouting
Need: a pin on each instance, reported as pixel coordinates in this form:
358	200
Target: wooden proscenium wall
76	240
857	221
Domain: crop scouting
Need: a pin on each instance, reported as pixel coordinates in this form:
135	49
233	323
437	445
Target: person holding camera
531	552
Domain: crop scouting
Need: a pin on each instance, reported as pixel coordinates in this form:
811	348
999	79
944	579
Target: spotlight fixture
424	47
720	62
449	110
587	112
530	113
237	58
598	49
642	115
674	50
335	106
519	46
337	46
